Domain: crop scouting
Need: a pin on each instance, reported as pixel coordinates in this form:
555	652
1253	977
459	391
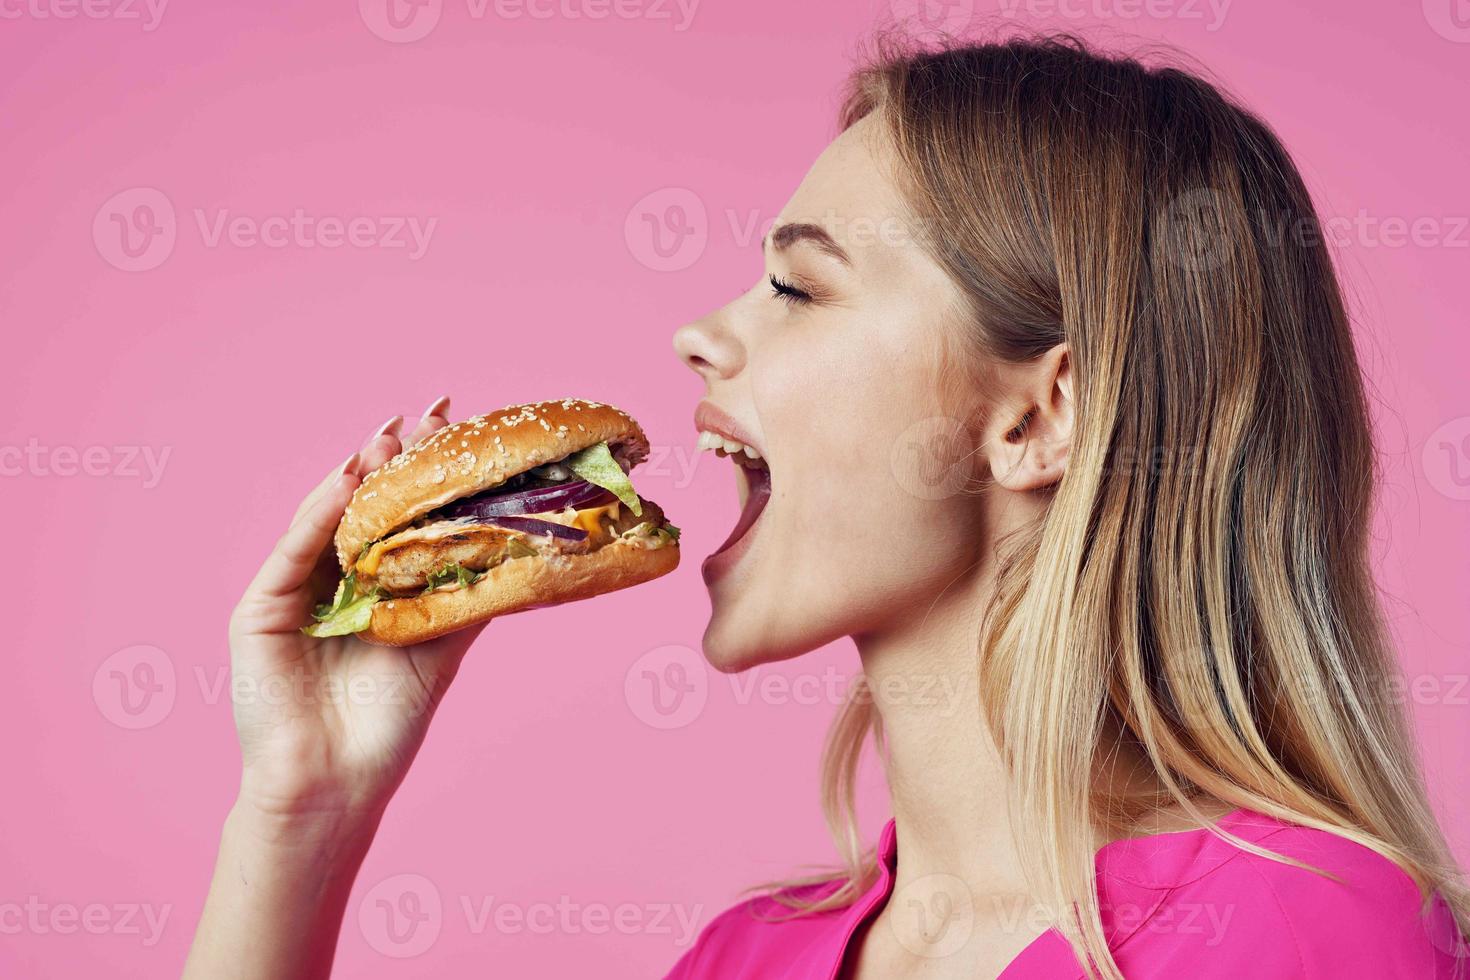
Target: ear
1029	436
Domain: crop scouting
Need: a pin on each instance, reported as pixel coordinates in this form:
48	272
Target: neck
945	776
948	786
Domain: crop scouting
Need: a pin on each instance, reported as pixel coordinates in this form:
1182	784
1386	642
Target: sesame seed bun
476	455
521	583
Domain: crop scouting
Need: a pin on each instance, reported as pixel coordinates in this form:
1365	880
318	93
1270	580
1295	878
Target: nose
709	348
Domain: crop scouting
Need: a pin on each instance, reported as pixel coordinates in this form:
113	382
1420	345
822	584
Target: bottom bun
521	583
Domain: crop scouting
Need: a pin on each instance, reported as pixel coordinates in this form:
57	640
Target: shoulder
751	938
1350	912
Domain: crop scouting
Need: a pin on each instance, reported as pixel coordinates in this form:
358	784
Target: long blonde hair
1205	589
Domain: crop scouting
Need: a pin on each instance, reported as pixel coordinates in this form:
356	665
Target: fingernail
389	427
440	406
350	465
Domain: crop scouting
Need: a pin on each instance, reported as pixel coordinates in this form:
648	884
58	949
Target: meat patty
404	569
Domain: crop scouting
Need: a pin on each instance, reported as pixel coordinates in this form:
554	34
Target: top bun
477	454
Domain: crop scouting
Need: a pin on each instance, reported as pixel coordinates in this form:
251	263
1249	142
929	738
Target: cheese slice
590	519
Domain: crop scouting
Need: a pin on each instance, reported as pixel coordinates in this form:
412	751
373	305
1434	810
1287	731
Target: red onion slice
490	504
531	525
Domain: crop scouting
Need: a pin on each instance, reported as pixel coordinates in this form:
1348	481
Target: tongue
755	501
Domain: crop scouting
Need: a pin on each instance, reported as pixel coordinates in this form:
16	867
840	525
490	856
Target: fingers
289	566
380	447
383	445
436	417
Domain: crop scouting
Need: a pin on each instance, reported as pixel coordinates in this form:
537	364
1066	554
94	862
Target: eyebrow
784	236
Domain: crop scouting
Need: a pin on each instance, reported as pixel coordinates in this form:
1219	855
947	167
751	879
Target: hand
328	727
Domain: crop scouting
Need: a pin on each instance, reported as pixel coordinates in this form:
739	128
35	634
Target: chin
749	628
732	645
729	654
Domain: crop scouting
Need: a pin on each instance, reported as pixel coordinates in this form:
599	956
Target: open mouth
753	482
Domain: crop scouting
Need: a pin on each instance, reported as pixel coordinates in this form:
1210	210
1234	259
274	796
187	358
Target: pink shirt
1174	905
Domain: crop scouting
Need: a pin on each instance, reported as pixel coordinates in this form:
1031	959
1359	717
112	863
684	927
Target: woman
1050	398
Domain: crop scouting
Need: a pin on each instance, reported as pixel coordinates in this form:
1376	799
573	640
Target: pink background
534	143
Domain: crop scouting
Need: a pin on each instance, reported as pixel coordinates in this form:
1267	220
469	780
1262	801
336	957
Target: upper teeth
732	447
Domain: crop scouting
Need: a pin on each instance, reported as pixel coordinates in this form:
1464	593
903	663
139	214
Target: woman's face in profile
830	367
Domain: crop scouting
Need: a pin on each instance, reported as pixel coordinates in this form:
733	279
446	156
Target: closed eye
788	293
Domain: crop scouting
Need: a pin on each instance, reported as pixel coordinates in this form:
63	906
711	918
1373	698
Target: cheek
862	533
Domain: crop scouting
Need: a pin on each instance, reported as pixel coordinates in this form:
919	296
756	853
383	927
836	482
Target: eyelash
788	293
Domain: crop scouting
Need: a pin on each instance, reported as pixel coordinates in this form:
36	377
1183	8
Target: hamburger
525	507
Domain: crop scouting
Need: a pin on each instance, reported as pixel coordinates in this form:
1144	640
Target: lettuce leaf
348	612
664	532
453	573
517	548
596	465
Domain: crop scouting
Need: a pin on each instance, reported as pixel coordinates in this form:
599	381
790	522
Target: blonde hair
1205	591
